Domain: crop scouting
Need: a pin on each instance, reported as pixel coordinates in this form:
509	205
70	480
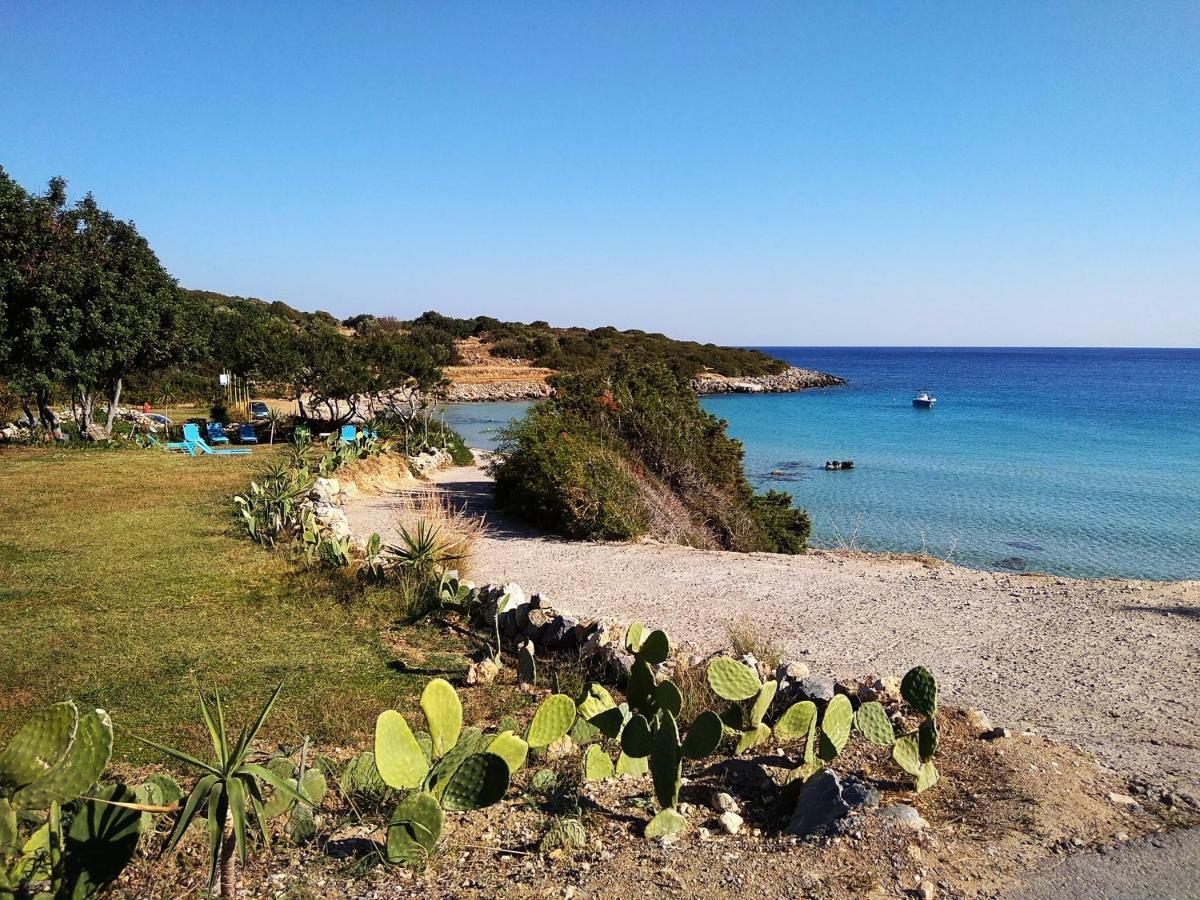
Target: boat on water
924	400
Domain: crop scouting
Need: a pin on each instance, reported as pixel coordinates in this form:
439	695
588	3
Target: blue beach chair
216	433
247	434
191	436
349	434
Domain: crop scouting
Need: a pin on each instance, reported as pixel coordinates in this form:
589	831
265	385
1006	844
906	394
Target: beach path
1107	665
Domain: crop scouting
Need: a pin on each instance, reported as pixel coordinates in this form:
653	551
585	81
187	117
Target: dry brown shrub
747	637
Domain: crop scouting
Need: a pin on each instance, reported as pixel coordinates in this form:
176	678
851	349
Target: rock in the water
818	688
818	805
722	803
903	814
730	822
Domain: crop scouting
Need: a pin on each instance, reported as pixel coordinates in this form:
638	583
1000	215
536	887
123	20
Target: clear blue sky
825	173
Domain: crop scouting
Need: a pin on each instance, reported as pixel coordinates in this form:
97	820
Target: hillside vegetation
627	451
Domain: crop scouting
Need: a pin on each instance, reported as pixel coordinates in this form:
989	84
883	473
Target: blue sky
795	173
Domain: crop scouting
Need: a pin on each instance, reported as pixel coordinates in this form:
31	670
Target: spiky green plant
275	418
228	789
373	569
648	730
424	550
56	758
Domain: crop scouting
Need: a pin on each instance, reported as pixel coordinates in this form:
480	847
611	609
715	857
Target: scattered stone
903	814
561	748
857	794
926	890
996	734
791	670
818	688
722	803
483	672
818	805
1123	800
730	822
978	720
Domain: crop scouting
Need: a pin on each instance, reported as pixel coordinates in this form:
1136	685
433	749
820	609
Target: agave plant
271	506
424	550
228	789
275	418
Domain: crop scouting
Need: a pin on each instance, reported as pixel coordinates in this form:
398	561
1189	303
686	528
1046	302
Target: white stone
730	822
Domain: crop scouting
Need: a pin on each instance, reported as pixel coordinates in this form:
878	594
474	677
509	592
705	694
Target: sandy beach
1108	665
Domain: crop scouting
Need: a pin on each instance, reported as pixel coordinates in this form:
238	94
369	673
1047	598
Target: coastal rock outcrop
792	379
498	391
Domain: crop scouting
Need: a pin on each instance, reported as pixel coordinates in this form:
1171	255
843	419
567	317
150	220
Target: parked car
159	418
259	410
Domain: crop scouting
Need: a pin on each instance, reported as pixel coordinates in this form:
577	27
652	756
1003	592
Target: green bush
556	474
597	460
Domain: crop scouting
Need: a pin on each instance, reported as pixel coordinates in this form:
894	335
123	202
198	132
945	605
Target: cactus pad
511	749
655	648
635	766
100	842
313	786
873	722
553	719
704	736
634	635
919	689
597	766
927	777
75	772
636	739
640	689
927	739
763	702
752	738
797	722
611	721
398	756
470	741
479	781
668	697
38	745
907	754
835	727
443	712
414	829
595	700
731	680
666	823
564	834
666	762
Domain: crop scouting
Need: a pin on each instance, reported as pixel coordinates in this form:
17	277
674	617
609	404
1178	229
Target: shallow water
1076	462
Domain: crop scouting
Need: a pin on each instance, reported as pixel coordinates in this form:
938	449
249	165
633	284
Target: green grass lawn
125	583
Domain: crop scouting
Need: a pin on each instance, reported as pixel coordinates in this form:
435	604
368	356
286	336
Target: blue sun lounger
247	434
191	436
216	433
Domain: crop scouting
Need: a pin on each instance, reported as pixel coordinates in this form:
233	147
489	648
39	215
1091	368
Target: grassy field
125	583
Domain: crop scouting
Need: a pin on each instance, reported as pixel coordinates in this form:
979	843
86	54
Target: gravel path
1108	665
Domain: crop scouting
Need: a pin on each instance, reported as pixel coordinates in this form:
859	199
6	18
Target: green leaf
198	796
797	722
872	720
597	765
237	812
443	712
552	720
655	648
398	756
666	823
732	680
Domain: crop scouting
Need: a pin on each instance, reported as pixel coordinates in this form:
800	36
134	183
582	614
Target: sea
1078	462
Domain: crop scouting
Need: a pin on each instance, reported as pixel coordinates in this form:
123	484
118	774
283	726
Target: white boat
924	400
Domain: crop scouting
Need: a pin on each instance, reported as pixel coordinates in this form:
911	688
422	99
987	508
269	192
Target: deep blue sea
1078	462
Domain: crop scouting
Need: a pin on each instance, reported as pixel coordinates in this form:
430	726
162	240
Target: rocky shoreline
788	381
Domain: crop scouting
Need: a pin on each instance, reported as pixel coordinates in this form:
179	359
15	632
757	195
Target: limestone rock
904	815
723	803
730	822
819	805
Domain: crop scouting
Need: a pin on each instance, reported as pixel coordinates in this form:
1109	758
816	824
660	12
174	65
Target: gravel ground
1108	665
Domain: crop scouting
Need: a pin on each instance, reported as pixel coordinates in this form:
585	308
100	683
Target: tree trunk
229	873
29	416
81	406
114	398
49	418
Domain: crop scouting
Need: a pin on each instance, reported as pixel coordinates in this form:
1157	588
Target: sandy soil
1107	665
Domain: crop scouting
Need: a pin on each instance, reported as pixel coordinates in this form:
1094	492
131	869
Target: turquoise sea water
1072	461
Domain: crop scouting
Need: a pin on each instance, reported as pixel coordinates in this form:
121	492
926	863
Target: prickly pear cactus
704	736
526	664
55	756
597	765
763	702
752	738
610	722
655	648
732	680
641	687
552	720
398	756
666	762
470	741
634	636
872	720
907	754
511	749
479	781
666	823
564	834
927	739
797	722
919	690
927	777
595	700
835	726
413	830
635	766
667	696
443	712
637	740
